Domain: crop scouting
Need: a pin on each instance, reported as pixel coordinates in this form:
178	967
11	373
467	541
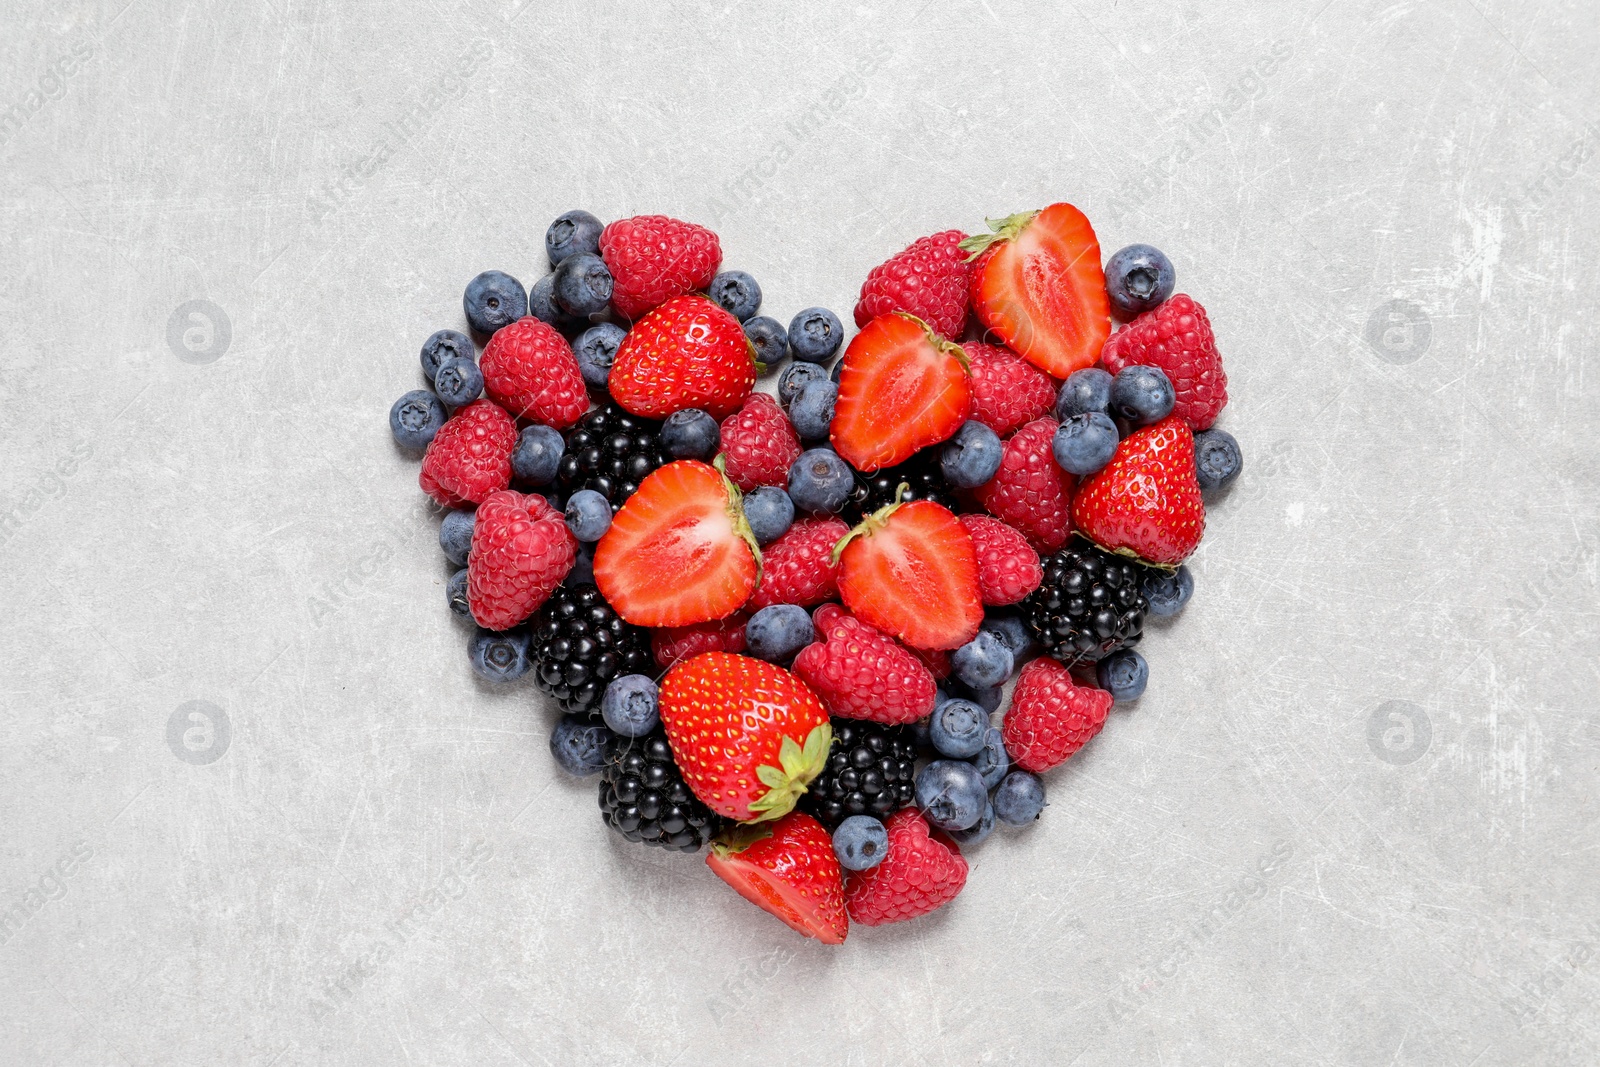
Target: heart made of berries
779	629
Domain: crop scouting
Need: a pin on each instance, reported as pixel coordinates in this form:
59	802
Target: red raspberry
1051	716
653	259
1008	567
1007	390
929	279
937	660
1177	338
521	549
673	643
1030	492
470	456
920	873
529	369
860	673
759	444
798	567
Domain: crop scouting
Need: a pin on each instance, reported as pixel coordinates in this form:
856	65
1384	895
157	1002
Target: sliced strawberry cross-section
910	570
902	388
787	868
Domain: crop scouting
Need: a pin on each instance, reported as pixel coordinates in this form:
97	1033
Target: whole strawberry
687	353
787	868
929	280
1008	567
759	444
1175	337
673	643
748	736
470	456
1051	716
653	258
1007	391
798	568
861	673
521	550
529	369
921	872
1030	491
1146	502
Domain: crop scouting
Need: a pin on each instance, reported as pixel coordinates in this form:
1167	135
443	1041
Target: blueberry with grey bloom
1084	443
769	511
795	377
1141	395
1012	632
631	705
983	662
1167	593
691	434
770	339
542	303
737	292
860	843
951	794
974	835
492	300
836	373
1139	278
1217	460
581	286
1084	391
579	745
1123	674
415	418
443	346
458	382
1019	798
572	232
958	729
812	411
988	698
596	349
455	535
456	594
972	456
537	457
777	632
820	481
588	515
992	761
815	335
500	657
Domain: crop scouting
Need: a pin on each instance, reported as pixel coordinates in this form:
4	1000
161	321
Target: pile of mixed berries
782	628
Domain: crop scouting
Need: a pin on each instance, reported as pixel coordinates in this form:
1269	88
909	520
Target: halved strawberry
910	570
902	387
1037	283
679	551
788	868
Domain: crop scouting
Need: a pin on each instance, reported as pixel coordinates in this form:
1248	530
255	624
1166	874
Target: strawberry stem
1005	229
876	521
741	525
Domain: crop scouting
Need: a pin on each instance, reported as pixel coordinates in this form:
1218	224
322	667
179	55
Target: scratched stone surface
257	809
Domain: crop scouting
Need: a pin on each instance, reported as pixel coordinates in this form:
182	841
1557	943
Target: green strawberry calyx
741	525
739	838
947	347
798	765
1005	229
874	522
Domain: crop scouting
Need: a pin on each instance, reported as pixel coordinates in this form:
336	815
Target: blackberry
610	451
1088	605
920	474
869	772
580	644
643	796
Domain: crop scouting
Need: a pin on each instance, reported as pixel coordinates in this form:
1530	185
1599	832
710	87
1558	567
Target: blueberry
1012	632
991	760
1141	395
455	592
1217	460
861	842
795	377
691	434
988	698
493	299
630	705
542	303
920	730
455	535
1123	674
1139	278
581	285
500	657
770	339
777	632
983	662
819	481
769	511
972	456
537	457
974	835
812	411
1019	798
1084	443
815	334
443	346
596	350
579	745
1084	391
588	515
951	794
572	233
737	292
458	382
958	729
836	373
1167	593
415	418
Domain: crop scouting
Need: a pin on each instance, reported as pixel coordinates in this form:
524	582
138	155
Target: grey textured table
1353	820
